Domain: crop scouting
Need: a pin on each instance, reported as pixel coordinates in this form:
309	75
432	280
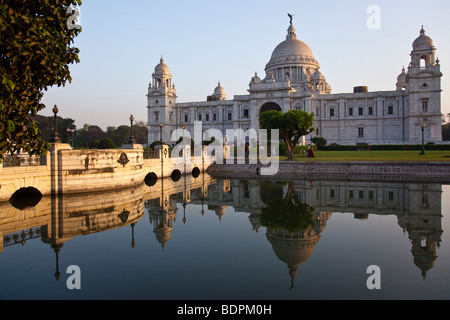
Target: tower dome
423	41
162	68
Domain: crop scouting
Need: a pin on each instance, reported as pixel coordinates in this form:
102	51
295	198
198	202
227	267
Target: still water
207	239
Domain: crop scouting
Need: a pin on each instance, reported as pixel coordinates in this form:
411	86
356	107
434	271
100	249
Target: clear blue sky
206	41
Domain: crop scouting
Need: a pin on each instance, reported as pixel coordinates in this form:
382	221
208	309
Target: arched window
423	62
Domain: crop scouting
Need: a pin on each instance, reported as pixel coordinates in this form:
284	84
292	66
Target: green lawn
399	156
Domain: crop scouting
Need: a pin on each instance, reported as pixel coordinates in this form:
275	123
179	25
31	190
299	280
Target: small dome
162	68
256	79
317	75
219	90
402	77
423	41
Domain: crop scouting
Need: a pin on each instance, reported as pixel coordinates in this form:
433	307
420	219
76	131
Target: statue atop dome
290	17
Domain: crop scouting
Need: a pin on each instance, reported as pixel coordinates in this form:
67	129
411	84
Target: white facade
294	81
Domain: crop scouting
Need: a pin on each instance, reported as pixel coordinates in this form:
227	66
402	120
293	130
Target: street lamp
147	131
160	132
69	131
131	141
55	138
422	153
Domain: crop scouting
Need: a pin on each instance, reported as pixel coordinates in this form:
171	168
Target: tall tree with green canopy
292	126
35	52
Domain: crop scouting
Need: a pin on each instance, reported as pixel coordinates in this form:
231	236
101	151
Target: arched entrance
25	198
269	106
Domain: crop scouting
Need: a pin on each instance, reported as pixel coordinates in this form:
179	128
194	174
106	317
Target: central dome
292	52
292	47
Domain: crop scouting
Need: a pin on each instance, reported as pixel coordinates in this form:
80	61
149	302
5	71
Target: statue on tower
290	17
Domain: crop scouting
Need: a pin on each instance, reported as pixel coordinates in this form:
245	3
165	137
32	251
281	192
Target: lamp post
69	131
147	131
422	153
55	138
160	132
131	141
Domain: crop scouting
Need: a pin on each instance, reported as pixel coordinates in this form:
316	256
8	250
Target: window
186	118
207	117
425	105
391	195
214	117
360	132
156	116
199	117
423	62
317	132
170	117
370	195
350	194
350	112
245	113
361	194
360	111
331	112
390	110
370	111
332	193
230	116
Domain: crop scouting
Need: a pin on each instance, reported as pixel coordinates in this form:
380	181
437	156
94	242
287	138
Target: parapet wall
348	171
67	171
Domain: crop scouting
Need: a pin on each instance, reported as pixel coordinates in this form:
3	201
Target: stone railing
23	160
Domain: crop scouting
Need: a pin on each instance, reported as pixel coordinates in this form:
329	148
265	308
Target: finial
422	31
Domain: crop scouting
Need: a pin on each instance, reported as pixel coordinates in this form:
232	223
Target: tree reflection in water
284	211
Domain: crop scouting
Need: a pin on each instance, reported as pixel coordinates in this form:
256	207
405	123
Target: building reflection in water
294	214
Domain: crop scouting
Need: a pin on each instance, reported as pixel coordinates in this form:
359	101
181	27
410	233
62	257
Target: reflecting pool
200	238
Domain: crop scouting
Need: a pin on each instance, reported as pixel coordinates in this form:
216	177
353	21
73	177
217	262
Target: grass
394	156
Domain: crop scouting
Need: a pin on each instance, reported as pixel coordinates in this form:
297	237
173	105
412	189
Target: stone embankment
438	172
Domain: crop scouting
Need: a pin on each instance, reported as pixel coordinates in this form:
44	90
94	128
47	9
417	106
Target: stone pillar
56	166
163	151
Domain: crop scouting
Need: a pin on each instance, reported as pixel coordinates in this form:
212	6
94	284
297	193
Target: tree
292	125
35	53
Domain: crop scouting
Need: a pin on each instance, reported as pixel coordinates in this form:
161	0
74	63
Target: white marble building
293	80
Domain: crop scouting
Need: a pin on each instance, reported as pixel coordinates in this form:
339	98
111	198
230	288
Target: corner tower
423	83
161	99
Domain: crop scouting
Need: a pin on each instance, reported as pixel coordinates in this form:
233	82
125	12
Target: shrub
319	142
106	143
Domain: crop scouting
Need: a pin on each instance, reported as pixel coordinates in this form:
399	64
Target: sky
204	42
